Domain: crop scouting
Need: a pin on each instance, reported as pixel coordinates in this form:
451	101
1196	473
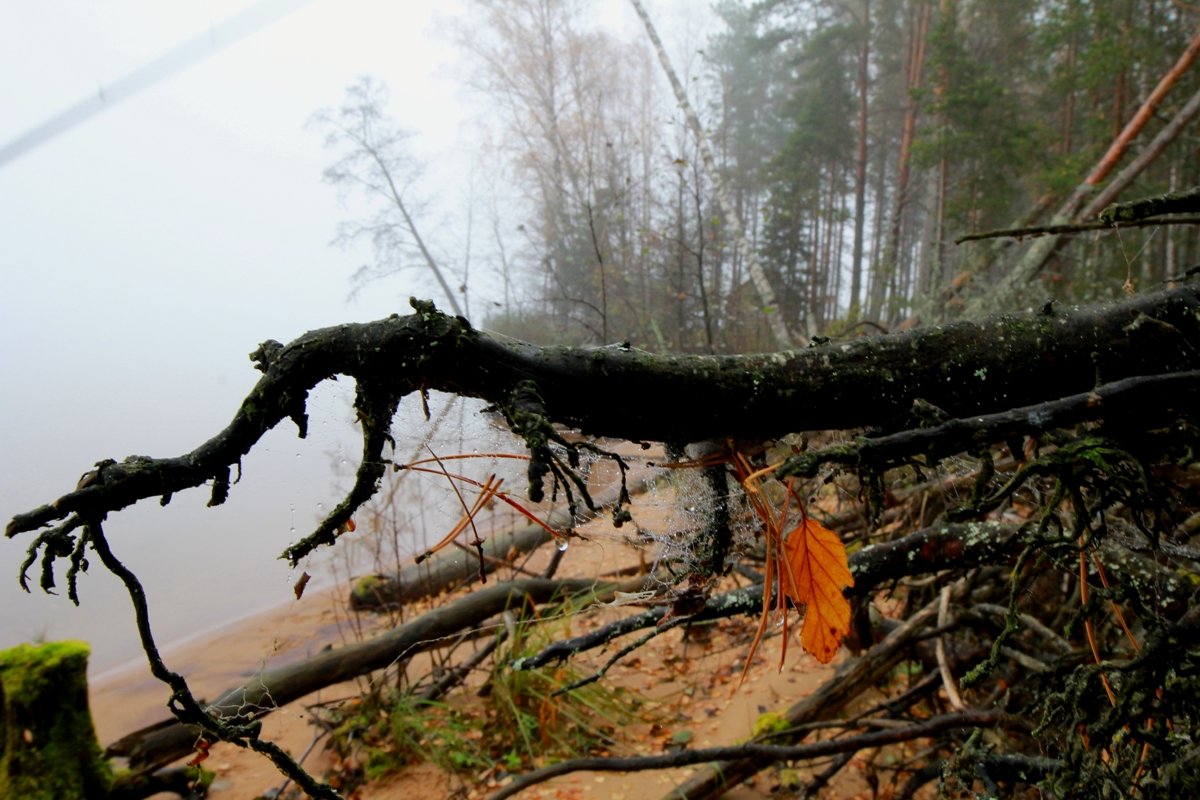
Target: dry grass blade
490	488
504	497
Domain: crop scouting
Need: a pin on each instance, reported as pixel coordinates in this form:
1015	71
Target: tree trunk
770	306
48	748
411	225
888	264
1168	134
860	164
1005	293
1144	114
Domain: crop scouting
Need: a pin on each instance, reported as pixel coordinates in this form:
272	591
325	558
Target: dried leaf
815	574
300	584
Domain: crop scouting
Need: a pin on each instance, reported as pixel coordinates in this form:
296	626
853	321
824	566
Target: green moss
366	590
48	745
769	723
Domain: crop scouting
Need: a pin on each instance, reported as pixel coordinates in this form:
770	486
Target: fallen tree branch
1067	229
163	742
872	381
1153	398
1187	200
765	753
927	551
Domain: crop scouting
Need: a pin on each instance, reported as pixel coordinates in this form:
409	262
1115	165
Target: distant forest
857	140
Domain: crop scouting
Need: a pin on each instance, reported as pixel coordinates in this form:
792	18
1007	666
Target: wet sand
695	683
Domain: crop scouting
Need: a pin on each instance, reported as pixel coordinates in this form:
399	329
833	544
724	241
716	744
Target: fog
146	252
170	221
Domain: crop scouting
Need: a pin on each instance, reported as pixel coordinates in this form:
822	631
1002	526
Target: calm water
205	567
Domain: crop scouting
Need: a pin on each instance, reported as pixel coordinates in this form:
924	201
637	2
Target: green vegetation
527	718
856	139
48	748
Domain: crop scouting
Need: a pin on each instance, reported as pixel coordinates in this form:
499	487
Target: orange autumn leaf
815	572
300	584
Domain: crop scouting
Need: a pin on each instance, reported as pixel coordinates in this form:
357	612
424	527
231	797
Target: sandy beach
128	698
694	682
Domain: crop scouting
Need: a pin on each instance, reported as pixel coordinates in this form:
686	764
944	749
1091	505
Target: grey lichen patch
978	534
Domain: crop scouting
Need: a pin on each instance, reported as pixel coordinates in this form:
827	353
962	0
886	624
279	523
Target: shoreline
169	649
126	697
689	685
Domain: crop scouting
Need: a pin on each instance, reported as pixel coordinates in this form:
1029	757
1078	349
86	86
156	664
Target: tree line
857	139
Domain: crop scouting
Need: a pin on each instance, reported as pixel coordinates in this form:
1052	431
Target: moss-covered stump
48	748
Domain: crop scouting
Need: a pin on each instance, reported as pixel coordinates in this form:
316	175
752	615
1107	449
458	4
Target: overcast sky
147	250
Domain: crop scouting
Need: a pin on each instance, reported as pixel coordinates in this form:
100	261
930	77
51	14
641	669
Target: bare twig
1080	227
948	682
764	753
1033	623
237	728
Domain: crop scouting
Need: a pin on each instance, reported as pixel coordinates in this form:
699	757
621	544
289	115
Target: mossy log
453	568
448	569
48	748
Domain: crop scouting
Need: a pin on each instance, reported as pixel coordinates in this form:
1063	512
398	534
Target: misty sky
149	249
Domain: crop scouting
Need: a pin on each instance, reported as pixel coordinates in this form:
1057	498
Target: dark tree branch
964	369
1071	228
1181	202
766	753
1153	399
613	659
210	722
927	551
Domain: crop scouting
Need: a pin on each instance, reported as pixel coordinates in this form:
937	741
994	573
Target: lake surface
205	567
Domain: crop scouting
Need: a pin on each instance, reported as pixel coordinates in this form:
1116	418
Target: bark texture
963	369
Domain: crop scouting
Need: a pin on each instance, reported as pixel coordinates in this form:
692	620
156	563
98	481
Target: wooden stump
48	747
